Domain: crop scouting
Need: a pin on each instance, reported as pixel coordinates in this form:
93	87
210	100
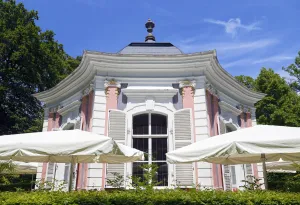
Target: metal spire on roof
150	25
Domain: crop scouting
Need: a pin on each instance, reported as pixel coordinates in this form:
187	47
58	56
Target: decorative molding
187	83
229	108
72	106
87	90
244	108
211	89
70	122
112	83
229	122
54	109
150	104
149	92
166	66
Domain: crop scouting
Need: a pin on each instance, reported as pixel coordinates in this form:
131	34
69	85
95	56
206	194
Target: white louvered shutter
67	172
50	174
227	177
183	137
249	171
233	176
116	130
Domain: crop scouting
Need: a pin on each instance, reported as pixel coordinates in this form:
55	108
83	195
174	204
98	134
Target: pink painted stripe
188	102
111	103
51	124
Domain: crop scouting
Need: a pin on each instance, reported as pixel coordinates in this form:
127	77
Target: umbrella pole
263	157
71	177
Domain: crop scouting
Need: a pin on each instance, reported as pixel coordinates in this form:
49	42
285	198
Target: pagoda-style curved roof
124	67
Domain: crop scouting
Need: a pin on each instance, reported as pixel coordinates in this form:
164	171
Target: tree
281	105
294	71
248	81
30	61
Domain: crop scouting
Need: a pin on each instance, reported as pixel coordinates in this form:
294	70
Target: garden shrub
163	197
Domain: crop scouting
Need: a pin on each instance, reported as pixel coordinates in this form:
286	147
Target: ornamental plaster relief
88	89
187	83
112	83
211	89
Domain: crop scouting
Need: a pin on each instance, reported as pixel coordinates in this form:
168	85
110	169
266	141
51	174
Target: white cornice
187	83
72	106
227	107
226	83
144	92
148	66
111	83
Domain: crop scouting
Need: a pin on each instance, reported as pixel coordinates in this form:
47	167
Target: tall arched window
150	135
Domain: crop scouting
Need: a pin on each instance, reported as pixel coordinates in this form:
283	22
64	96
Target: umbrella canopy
282	165
22	167
73	146
244	146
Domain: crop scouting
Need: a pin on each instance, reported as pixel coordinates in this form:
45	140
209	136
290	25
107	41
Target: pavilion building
153	97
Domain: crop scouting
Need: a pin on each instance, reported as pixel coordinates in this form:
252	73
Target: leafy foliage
117	181
30	61
248	81
294	71
281	105
149	180
252	183
165	197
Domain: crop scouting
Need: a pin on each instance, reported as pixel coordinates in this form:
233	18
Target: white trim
72	106
147	66
158	108
227	107
138	92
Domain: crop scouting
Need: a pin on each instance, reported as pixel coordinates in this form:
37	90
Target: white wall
205	178
98	126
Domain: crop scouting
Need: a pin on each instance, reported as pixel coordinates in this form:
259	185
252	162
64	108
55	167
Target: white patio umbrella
256	144
69	146
282	165
22	167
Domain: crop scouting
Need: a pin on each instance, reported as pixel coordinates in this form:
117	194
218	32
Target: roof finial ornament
150	25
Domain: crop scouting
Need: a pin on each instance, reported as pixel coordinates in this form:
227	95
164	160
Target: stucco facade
154	98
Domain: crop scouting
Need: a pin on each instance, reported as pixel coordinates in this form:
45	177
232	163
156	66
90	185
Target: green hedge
149	198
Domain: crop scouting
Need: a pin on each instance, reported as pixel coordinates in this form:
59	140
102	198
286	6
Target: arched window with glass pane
150	135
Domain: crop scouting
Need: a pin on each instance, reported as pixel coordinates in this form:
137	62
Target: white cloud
189	45
232	25
235	63
276	59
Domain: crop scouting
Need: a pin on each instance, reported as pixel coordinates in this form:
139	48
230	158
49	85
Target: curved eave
86	71
225	81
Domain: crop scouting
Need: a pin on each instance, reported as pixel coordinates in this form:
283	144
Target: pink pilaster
53	122
81	170
213	114
249	124
188	102
111	103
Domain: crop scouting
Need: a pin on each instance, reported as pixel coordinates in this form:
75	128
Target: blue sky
246	34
